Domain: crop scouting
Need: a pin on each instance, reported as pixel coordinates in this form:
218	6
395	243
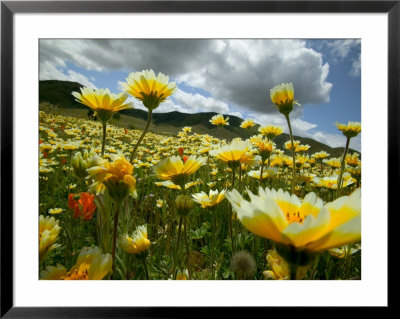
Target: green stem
292	148
348	261
187	249
342	165
261	172
177	247
114	245
213	244
141	136
293	271
104	138
145	266
230	213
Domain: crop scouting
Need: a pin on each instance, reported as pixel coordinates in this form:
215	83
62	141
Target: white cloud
194	103
239	72
356	67
50	71
342	48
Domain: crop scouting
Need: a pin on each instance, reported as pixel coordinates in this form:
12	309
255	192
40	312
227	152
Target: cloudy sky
228	76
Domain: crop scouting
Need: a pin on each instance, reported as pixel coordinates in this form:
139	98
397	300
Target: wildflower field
125	204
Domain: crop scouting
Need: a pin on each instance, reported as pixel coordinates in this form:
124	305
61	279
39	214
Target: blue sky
227	76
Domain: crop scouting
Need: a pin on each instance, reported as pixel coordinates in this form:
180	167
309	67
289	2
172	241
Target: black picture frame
9	8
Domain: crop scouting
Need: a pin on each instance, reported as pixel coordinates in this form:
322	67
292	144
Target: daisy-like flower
270	131
333	162
280	269
288	145
269	172
341	252
135	243
264	146
160	203
332	181
320	155
48	233
232	153
247	124
303	225
187	129
219	120
81	161
55	211
210	200
149	88
90	265
102	102
350	130
174	169
116	176
301	160
182	275
283	97
352	160
302	148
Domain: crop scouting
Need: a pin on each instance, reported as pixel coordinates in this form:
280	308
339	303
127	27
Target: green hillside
55	97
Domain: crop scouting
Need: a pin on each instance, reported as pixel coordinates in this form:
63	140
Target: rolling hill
58	94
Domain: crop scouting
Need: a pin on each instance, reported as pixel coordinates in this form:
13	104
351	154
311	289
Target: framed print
176	154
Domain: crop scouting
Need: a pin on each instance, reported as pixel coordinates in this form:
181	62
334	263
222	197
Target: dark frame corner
9	8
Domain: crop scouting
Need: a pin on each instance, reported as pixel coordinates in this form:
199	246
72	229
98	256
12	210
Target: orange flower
180	151
84	207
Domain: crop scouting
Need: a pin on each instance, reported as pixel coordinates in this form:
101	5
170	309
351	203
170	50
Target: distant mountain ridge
58	93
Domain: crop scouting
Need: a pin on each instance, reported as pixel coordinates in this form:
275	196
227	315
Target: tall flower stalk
151	90
119	182
352	129
104	104
283	98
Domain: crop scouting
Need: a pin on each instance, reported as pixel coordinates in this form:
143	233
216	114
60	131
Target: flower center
294	217
75	275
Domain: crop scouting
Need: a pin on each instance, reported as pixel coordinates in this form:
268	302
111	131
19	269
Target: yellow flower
270	131
174	169
182	275
247	123
116	177
331	181
320	155
333	162
352	160
341	252
148	88
91	265
280	268
288	145
301	159
82	161
283	97
48	233
233	152
264	145
210	200
160	203
350	130
219	120
137	242
302	148
55	211
269	172
102	102
306	225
